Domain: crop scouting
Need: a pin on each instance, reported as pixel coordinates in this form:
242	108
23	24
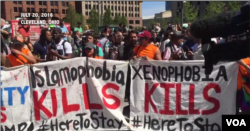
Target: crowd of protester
57	43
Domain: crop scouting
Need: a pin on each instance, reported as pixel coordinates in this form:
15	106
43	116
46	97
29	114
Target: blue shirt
40	50
64	30
190	45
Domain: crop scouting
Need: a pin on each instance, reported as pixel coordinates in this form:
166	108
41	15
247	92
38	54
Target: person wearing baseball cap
90	51
145	49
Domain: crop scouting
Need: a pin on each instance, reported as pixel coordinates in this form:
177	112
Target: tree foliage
107	19
72	17
177	19
124	20
234	6
94	20
213	8
190	12
117	19
152	22
164	23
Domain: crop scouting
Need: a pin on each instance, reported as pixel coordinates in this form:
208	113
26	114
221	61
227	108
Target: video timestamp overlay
236	122
38	15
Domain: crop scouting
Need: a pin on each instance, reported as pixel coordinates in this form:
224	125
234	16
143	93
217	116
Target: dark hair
43	36
120	24
3	47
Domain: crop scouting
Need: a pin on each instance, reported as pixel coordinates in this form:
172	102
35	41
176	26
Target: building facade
168	5
10	10
130	9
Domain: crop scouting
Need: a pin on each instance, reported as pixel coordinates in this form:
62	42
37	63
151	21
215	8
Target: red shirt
24	32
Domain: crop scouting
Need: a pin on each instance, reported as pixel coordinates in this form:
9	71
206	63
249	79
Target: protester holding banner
146	49
130	45
19	56
92	51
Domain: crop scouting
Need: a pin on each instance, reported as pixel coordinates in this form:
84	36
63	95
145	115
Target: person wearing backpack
59	49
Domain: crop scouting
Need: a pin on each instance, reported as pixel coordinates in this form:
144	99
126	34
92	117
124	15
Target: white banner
178	96
79	94
15	99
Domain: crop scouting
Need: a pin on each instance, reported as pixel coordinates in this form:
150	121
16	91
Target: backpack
63	44
105	47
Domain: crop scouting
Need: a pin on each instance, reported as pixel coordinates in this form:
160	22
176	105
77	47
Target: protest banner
79	94
179	96
35	30
15	99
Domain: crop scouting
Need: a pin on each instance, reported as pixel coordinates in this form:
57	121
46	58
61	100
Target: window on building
118	2
198	3
112	2
52	11
125	2
67	4
112	14
52	3
132	15
126	15
15	9
63	3
207	2
125	8
63	11
40	3
115	2
112	7
86	13
32	2
28	9
56	3
115	7
131	22
14	2
40	10
132	9
66	11
56	11
97	7
44	10
105	7
137	22
32	9
89	6
19	2
28	2
122	8
178	4
119	8
44	2
122	2
86	6
20	9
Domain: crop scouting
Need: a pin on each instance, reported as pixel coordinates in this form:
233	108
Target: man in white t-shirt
59	49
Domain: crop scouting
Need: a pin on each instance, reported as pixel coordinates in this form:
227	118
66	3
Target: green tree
164	23
123	20
93	20
234	5
107	19
213	8
177	19
152	22
190	12
117	19
72	17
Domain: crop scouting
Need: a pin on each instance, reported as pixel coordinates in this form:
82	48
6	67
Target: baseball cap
145	34
89	45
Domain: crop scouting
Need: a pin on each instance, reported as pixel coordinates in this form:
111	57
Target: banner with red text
15	99
75	94
79	94
179	96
